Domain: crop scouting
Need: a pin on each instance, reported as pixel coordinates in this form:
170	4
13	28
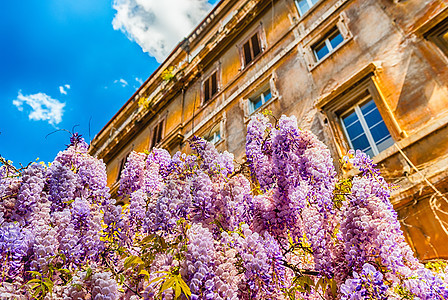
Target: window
214	135
328	44
324	41
358	116
157	133
305	5
439	36
122	164
260	99
210	86
365	128
251	49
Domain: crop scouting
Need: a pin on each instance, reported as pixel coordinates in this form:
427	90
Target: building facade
363	74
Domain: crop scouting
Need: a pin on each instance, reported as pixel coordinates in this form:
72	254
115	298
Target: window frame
213	133
435	35
207	87
339	23
250	44
264	84
160	127
215	69
259	31
335	104
217	124
310	4
429	29
122	165
326	40
263	100
365	127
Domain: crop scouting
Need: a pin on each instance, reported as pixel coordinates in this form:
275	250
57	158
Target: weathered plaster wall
411	76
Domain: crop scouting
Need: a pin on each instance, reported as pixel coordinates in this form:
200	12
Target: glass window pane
354	130
321	50
379	132
369	152
303	6
350	119
217	136
373	118
256	103
267	95
385	144
361	143
336	39
368	107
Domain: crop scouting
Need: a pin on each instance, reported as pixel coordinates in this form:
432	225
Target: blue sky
73	62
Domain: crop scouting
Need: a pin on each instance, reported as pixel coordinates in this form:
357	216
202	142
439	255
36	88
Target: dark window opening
157	134
251	49
439	36
210	87
122	165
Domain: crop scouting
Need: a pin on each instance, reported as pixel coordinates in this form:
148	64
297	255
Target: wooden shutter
256	45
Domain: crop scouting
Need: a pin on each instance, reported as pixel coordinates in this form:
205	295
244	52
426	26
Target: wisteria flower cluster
199	226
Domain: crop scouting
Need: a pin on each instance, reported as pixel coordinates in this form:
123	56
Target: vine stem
298	270
116	274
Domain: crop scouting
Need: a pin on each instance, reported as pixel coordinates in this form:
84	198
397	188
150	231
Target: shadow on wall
426	221
415	93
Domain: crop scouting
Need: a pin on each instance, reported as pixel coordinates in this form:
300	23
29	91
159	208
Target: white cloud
63	89
43	107
158	25
139	80
121	81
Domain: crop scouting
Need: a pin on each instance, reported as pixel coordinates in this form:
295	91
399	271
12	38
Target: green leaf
334	287
145	273
148	239
157	279
177	291
162	243
322	282
88	273
185	288
35	273
167	284
64	271
37	292
48	284
35	286
64	259
132	261
34	281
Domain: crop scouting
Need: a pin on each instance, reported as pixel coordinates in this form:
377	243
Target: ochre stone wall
385	49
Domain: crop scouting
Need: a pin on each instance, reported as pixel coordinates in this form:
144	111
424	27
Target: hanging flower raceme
30	191
368	284
304	182
61	183
191	227
212	162
132	175
258	151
